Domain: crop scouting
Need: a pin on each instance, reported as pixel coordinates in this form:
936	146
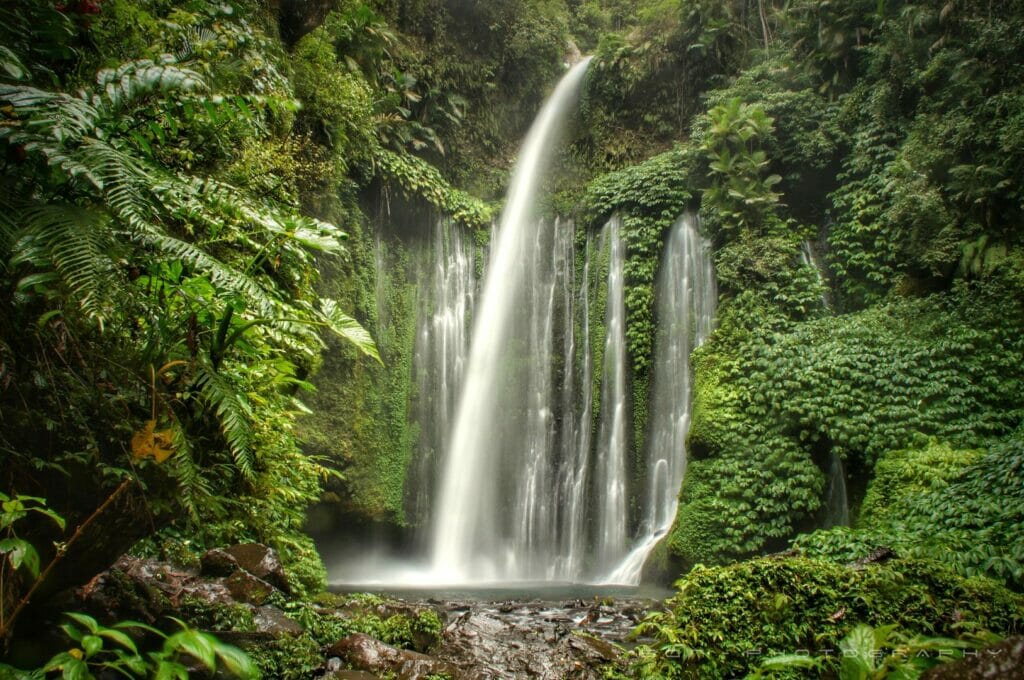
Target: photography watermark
878	654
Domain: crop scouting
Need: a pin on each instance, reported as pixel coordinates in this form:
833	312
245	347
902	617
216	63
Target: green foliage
649	197
102	650
900	476
882	652
740	196
723	619
418	178
766	418
18	552
959	508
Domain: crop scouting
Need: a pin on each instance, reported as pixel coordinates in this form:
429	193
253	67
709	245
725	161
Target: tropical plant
100	650
874	653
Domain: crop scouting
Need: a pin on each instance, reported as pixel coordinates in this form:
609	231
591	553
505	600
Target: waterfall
808	259
610	465
445	285
686	299
491	519
576	433
837	506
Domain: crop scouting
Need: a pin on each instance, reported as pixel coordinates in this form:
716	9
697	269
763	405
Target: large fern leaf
77	243
132	81
233	412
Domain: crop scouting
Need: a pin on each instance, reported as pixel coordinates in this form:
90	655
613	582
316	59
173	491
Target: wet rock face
147	589
260	561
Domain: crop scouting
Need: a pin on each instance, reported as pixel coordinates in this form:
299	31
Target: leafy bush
965	514
722	620
767	419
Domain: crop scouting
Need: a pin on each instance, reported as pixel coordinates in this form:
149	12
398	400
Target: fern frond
40	116
228	403
77	243
193	487
132	81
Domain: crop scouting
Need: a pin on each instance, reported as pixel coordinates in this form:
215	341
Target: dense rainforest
216	225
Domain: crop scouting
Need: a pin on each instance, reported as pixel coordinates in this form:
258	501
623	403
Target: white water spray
686	305
475	538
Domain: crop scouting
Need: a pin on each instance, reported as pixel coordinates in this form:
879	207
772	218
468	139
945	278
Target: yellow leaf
151	443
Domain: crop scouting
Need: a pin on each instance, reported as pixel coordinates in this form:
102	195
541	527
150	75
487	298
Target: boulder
244	587
262	562
1001	661
368	654
349	675
217	562
270	619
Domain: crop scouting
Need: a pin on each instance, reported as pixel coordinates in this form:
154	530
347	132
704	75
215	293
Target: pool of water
544	591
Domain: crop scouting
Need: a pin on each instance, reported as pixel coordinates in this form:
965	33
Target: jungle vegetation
188	197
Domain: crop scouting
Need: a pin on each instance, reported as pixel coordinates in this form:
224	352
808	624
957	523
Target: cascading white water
571	508
502	414
687	297
610	465
808	260
445	285
837	506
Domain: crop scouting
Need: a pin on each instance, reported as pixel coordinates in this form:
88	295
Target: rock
262	562
270	619
147	589
1001	661
217	562
594	650
349	675
368	654
245	587
877	556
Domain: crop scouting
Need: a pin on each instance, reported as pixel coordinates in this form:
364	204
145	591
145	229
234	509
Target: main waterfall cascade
524	469
476	536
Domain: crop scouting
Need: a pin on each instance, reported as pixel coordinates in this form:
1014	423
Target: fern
76	245
233	412
112	204
346	327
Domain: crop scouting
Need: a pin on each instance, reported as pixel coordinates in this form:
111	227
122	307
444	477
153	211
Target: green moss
724	619
900	476
288	657
361	409
217	617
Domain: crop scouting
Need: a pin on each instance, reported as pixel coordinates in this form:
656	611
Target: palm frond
344	326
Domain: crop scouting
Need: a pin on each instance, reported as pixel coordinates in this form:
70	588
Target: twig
6	626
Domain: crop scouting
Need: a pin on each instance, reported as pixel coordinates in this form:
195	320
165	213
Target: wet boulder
371	655
262	562
217	562
244	587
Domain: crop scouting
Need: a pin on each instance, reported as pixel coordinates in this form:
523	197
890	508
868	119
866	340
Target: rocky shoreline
241	594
